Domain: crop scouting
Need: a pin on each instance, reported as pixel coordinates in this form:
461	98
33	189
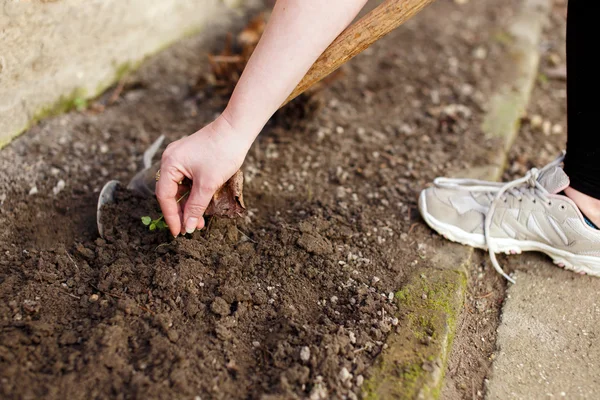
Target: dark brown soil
290	302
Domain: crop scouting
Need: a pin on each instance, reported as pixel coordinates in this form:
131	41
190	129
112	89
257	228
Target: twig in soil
247	237
412	227
73	261
69	294
208	228
485	296
115	96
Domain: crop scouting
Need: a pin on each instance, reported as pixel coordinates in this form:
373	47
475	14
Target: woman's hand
208	158
297	33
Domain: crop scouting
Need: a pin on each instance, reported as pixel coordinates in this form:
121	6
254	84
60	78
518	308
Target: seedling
159	223
154	224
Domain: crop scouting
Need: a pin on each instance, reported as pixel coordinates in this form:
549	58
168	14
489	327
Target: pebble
536	121
360	380
305	353
375	280
547	127
344	375
94	298
33	190
480	53
352	337
557	129
333	299
60	185
256	343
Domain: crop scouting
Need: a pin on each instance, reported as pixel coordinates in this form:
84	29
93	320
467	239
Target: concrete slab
56	54
548	339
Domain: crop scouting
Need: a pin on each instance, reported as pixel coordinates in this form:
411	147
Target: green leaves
154	224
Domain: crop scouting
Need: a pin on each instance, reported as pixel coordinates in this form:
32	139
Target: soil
475	348
292	301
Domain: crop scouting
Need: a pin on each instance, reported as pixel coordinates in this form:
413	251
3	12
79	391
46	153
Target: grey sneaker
526	214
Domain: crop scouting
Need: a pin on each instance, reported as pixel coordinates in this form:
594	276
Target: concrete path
548	341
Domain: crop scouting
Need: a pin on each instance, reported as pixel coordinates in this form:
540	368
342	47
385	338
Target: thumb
195	206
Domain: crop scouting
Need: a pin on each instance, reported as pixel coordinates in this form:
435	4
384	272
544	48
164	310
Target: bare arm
297	33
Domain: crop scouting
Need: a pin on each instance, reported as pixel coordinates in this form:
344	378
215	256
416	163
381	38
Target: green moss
504	38
402	295
76	99
430	305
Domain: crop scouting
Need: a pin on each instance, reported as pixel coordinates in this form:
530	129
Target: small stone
256	343
352	337
480	53
33	190
536	121
375	280
360	380
333	299
103	148
94	298
305	353
18	317
546	128
60	185
344	375
557	129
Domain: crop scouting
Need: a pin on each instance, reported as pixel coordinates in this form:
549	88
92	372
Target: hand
208	158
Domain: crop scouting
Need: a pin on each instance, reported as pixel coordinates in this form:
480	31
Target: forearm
297	33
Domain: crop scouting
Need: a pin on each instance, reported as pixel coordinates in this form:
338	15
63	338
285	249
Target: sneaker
527	214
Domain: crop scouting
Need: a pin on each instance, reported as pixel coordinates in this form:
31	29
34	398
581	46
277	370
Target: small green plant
154	224
80	103
159	223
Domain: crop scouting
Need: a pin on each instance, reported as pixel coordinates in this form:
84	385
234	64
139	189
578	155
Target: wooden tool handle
357	37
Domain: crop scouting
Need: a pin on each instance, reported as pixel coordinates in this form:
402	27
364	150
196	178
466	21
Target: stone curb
414	364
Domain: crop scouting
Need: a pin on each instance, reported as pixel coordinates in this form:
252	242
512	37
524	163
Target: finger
166	192
195	206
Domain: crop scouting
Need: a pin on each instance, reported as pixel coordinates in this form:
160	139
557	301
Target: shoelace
527	186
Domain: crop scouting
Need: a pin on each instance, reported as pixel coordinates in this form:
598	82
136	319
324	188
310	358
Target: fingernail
191	224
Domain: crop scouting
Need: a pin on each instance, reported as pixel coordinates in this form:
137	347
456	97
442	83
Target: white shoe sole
581	264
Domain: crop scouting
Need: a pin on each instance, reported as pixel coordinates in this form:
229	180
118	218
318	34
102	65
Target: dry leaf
228	201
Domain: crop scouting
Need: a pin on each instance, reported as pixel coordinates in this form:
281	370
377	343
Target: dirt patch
290	302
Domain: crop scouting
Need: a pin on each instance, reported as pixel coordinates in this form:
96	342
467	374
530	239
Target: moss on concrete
414	363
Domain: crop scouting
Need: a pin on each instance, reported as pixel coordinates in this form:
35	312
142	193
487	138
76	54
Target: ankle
588	205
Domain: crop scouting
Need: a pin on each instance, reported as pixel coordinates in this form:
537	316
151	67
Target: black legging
582	162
